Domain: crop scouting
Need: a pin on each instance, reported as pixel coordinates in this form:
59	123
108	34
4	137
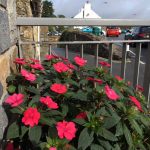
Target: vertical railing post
66	51
81	53
137	65
20	53
146	83
50	49
96	55
123	63
110	56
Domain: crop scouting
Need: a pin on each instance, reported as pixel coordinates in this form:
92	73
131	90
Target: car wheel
107	35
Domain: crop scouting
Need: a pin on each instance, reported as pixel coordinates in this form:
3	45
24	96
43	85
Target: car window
145	29
112	27
135	30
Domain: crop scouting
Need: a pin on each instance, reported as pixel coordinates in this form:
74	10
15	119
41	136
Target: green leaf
34	100
80	95
52	113
43	145
24	130
47	121
119	129
96	147
84	81
64	110
11	89
72	82
85	139
79	121
106	134
35	134
34	90
105	144
11	78
52	132
13	131
110	122
102	112
116	147
142	146
16	110
127	135
136	127
145	120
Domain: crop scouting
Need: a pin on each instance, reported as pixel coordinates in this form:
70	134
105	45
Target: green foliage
48	10
102	123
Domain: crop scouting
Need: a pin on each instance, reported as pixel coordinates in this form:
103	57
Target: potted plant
64	105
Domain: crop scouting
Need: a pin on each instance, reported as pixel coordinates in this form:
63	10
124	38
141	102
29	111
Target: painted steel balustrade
24	21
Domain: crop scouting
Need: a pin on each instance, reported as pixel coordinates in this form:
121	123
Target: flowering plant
59	105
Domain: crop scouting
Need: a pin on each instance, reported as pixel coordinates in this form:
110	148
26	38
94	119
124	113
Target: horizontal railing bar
86	42
30	21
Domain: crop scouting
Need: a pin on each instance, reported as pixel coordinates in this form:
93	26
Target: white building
86	12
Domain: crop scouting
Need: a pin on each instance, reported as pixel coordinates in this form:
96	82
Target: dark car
139	33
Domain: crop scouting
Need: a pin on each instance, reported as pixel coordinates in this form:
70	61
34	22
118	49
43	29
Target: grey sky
112	9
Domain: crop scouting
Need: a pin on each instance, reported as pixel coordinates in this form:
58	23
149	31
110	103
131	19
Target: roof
87	12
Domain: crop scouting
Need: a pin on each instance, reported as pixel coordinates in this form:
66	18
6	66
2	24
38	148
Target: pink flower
81	115
28	76
71	66
104	64
15	100
37	66
139	88
52	148
58	88
118	78
136	102
60	67
34	60
49	102
49	57
111	94
31	117
66	129
80	61
95	80
19	61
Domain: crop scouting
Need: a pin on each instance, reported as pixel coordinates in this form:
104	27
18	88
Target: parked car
55	33
139	33
128	35
87	29
113	31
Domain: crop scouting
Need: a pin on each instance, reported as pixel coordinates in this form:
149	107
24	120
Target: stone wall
8	51
28	33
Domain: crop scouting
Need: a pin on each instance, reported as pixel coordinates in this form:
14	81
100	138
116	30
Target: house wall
8	50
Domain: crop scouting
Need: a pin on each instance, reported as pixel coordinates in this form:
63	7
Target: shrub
61	105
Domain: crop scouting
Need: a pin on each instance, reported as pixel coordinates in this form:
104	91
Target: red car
112	31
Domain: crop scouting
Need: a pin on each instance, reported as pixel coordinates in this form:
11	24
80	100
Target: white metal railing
23	21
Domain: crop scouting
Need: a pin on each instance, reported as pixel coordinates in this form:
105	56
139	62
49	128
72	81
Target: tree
48	10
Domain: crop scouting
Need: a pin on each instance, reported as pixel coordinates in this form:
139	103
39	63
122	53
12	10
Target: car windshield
112	27
145	29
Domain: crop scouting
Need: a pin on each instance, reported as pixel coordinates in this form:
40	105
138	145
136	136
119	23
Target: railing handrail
85	42
35	21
